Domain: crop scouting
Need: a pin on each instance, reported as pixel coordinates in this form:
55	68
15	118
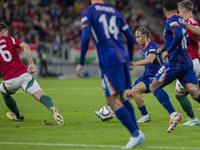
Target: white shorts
196	68
26	81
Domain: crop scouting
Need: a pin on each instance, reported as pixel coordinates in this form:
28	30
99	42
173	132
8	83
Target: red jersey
11	65
192	48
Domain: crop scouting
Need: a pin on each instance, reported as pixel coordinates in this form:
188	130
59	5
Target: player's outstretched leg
57	116
174	121
13	117
11	104
187	107
163	98
134	141
46	100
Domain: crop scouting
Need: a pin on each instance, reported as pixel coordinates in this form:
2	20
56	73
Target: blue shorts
146	80
115	79
167	74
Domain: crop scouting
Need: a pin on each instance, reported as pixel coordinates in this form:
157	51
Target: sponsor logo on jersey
1	41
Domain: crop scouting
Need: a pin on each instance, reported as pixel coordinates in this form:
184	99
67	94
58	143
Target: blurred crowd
58	21
158	11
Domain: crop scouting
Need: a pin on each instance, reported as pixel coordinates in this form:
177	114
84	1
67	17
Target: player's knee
135	92
194	93
179	93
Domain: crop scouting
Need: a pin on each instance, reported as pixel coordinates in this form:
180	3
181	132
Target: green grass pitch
77	99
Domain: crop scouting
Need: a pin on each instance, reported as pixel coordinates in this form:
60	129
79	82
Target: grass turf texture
76	100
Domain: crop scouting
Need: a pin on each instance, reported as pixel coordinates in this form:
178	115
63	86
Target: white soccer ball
106	113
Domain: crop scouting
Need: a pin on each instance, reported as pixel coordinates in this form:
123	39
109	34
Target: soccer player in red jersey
185	10
16	75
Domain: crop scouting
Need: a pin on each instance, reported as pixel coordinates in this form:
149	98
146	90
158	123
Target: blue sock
198	99
163	98
125	118
130	109
143	110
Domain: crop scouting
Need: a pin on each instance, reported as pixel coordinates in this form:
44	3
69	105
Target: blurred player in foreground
179	65
105	24
185	10
152	62
16	75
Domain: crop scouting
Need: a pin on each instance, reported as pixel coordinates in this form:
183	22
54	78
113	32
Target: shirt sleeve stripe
172	23
175	25
84	19
13	40
126	26
83	26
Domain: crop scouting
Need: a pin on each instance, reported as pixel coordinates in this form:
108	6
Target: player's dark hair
186	4
144	30
3	26
170	5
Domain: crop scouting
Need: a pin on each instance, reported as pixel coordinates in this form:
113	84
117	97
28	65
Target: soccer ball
105	113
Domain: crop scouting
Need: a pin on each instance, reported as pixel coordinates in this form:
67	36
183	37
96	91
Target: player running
16	75
105	24
185	10
152	62
179	65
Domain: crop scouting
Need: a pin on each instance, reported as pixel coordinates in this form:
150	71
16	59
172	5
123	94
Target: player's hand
31	68
129	94
78	70
159	51
131	65
164	55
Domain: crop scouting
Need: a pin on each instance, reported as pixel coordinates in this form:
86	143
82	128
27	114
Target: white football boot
134	141
144	118
191	122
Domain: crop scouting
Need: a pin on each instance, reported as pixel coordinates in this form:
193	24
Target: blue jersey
177	47
151	69
106	24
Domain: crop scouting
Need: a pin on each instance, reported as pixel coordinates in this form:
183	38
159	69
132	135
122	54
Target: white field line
92	145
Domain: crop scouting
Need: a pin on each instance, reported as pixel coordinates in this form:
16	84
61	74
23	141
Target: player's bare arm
147	61
194	29
27	50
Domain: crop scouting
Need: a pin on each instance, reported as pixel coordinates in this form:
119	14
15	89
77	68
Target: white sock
173	114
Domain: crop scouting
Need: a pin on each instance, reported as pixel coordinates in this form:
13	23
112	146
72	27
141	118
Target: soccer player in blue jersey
179	65
105	24
152	62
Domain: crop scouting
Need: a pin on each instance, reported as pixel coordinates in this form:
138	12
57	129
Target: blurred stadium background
54	26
